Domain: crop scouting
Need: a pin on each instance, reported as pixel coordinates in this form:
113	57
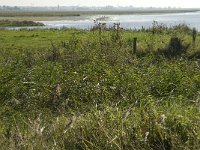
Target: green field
76	89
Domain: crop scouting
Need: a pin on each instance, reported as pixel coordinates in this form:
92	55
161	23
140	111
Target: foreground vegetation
75	89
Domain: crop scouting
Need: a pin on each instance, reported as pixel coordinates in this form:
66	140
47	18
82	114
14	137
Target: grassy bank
37	14
75	89
9	23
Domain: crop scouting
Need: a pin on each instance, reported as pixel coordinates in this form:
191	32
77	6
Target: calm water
127	21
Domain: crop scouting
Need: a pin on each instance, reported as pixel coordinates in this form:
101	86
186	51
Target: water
127	21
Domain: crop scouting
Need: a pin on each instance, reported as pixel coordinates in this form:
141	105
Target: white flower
162	118
146	136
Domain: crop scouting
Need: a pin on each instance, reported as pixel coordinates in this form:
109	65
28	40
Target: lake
132	21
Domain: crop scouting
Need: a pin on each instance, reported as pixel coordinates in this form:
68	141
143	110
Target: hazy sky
136	3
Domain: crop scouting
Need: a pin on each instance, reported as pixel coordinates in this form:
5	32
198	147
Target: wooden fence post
194	35
134	45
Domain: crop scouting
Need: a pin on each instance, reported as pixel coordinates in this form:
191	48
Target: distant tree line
9	8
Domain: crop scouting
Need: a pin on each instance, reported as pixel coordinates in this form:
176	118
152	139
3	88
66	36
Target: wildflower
162	118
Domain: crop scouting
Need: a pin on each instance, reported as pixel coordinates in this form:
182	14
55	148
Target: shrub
175	48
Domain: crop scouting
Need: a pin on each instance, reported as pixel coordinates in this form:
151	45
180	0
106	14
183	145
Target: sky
135	3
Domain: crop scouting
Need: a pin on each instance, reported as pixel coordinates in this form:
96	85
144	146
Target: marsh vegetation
9	23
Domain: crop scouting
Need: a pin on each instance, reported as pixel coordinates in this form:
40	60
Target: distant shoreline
140	11
60	15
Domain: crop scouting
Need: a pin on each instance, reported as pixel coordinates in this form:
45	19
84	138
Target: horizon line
104	6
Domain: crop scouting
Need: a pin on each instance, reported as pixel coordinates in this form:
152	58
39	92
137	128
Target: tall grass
75	89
